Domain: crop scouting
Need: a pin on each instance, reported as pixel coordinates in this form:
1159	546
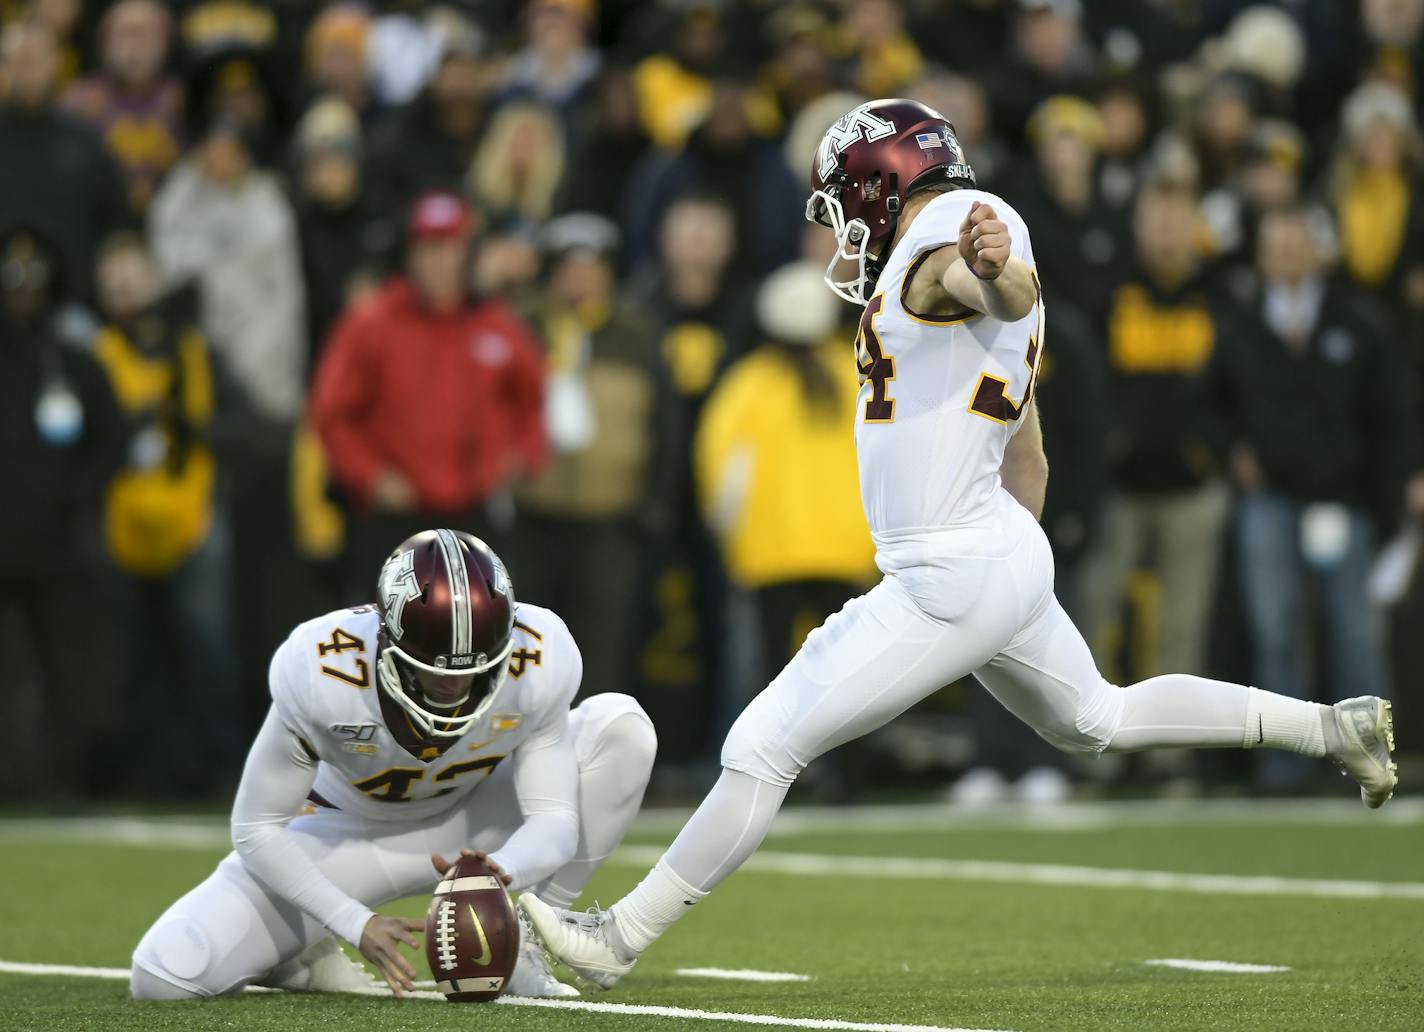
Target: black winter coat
53	488
1332	420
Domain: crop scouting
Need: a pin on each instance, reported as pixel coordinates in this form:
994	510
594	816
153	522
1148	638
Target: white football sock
1182	710
1280	722
651	909
726	829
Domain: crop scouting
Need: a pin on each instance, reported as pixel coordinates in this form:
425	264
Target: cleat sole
1387	713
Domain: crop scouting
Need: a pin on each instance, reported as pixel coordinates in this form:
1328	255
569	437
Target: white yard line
1069	817
595	1007
186	834
1224	966
742	974
180	833
14	967
730	1016
208	832
824	865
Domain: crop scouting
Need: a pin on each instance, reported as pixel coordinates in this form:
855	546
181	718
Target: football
471	933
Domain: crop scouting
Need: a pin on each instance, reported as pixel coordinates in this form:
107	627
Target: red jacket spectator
452	401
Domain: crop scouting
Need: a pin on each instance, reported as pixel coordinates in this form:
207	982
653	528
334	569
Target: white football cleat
1361	743
532	975
330	970
580	940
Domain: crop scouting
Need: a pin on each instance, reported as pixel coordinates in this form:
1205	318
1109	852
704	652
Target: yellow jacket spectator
1375	183
166	532
160	506
674	91
776	468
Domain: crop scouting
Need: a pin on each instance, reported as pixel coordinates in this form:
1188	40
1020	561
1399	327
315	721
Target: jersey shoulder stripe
950	319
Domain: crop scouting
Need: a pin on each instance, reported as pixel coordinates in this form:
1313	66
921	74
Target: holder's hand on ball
380	942
442	865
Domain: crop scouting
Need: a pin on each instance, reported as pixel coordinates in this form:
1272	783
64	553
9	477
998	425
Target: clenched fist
984	242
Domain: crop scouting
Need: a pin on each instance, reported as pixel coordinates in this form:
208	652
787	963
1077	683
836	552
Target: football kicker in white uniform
400	733
952	479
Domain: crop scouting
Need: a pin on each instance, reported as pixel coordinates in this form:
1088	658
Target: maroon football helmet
447	613
867	166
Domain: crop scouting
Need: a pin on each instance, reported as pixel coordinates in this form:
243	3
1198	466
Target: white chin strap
430	722
852	245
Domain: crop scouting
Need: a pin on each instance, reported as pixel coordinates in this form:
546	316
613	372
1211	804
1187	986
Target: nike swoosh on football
485	955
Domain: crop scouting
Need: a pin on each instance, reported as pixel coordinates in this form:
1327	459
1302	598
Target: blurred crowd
282	282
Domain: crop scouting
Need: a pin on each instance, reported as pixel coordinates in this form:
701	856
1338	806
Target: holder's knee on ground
170	962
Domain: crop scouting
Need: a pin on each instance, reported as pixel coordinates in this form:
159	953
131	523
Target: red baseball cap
439	213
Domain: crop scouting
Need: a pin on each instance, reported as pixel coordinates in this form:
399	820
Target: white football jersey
324	686
940	395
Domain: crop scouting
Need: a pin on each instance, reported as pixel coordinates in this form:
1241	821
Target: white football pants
951	604
957	603
230	931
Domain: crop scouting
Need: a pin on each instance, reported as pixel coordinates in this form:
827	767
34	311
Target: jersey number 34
991	395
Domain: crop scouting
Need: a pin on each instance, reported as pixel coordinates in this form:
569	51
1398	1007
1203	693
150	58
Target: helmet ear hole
817	212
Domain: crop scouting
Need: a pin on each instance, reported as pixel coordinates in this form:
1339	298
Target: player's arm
546	785
1024	470
279	774
984	274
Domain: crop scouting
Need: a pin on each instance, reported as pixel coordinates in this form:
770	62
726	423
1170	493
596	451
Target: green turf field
1051	935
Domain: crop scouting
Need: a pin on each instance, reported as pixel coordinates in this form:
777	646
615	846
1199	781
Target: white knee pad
755	747
615	725
169	962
